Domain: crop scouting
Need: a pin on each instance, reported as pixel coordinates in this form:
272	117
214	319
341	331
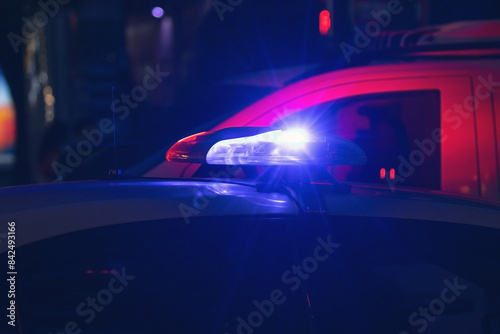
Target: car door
486	93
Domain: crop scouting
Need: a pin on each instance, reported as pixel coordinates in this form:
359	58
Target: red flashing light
325	22
392	174
181	149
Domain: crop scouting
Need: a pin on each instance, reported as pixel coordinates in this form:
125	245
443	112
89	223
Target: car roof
44	211
393	71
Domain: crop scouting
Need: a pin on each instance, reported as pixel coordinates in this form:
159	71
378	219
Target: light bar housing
265	147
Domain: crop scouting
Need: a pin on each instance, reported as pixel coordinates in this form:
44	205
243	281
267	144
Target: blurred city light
157	12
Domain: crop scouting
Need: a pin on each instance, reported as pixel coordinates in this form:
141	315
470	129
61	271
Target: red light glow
382	173
325	22
392	174
182	148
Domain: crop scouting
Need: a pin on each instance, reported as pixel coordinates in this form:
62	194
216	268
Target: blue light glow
273	147
293	137
284	147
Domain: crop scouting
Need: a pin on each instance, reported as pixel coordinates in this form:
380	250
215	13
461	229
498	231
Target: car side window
392	128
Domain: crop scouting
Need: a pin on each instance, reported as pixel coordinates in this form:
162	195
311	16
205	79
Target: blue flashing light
285	147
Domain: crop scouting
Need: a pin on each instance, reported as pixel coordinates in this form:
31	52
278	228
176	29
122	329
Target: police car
263	240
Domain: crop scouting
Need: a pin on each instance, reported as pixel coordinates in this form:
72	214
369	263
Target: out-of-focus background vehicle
426	113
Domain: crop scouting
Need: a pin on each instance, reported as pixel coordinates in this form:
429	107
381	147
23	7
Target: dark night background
90	46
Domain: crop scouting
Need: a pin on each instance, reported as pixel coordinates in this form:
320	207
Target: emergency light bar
265	147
